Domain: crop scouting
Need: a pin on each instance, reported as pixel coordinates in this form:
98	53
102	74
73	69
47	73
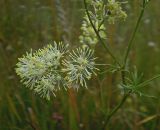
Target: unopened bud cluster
100	11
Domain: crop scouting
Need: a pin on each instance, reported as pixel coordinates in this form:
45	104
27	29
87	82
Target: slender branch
115	110
130	44
99	37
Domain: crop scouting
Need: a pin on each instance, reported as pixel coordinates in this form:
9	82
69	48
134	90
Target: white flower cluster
99	12
47	70
80	66
88	36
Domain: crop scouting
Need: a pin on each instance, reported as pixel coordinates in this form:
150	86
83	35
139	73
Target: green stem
115	110
99	37
130	44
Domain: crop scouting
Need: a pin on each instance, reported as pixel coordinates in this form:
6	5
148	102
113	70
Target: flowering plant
54	67
49	69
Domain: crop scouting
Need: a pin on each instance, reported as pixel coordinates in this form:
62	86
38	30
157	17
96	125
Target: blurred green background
26	24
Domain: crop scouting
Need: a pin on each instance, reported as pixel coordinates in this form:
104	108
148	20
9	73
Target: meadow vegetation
34	24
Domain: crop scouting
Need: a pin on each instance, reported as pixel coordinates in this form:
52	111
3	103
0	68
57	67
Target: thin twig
130	44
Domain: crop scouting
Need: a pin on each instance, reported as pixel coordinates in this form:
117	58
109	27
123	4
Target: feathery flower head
47	70
49	84
80	66
41	70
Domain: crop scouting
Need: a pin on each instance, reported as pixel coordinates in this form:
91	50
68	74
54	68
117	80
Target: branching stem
99	37
115	110
130	44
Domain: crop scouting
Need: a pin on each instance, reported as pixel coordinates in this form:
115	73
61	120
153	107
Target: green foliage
135	84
